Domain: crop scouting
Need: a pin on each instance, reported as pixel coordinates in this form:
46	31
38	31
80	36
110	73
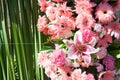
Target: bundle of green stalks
20	42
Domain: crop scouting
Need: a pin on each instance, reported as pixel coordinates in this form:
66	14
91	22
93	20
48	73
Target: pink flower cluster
87	29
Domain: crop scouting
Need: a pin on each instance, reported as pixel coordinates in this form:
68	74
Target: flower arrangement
85	35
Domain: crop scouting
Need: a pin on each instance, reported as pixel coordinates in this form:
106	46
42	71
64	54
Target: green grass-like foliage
20	42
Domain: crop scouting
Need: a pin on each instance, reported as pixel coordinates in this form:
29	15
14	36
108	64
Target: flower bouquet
84	39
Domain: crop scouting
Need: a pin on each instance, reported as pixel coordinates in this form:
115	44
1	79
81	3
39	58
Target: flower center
62	26
105	12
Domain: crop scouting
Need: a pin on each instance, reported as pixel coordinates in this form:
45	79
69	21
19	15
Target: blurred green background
20	42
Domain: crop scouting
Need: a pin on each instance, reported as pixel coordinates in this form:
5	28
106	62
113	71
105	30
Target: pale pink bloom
107	75
99	67
62	73
80	59
78	37
102	53
84	21
61	27
86	60
116	5
68	42
43	58
114	29
109	62
42	20
75	75
73	52
58	57
103	42
87	57
44	4
91	50
103	33
104	13
68	61
50	70
80	46
85	36
98	27
42	24
74	48
89	77
51	12
64	10
84	6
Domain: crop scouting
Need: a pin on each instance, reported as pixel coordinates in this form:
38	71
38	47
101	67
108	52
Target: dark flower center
62	26
105	12
68	74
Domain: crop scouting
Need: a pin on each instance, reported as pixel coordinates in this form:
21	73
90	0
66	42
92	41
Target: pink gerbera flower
84	6
64	10
50	70
84	21
104	13
103	42
65	73
61	27
75	75
42	24
58	57
107	75
44	4
43	57
51	12
114	29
